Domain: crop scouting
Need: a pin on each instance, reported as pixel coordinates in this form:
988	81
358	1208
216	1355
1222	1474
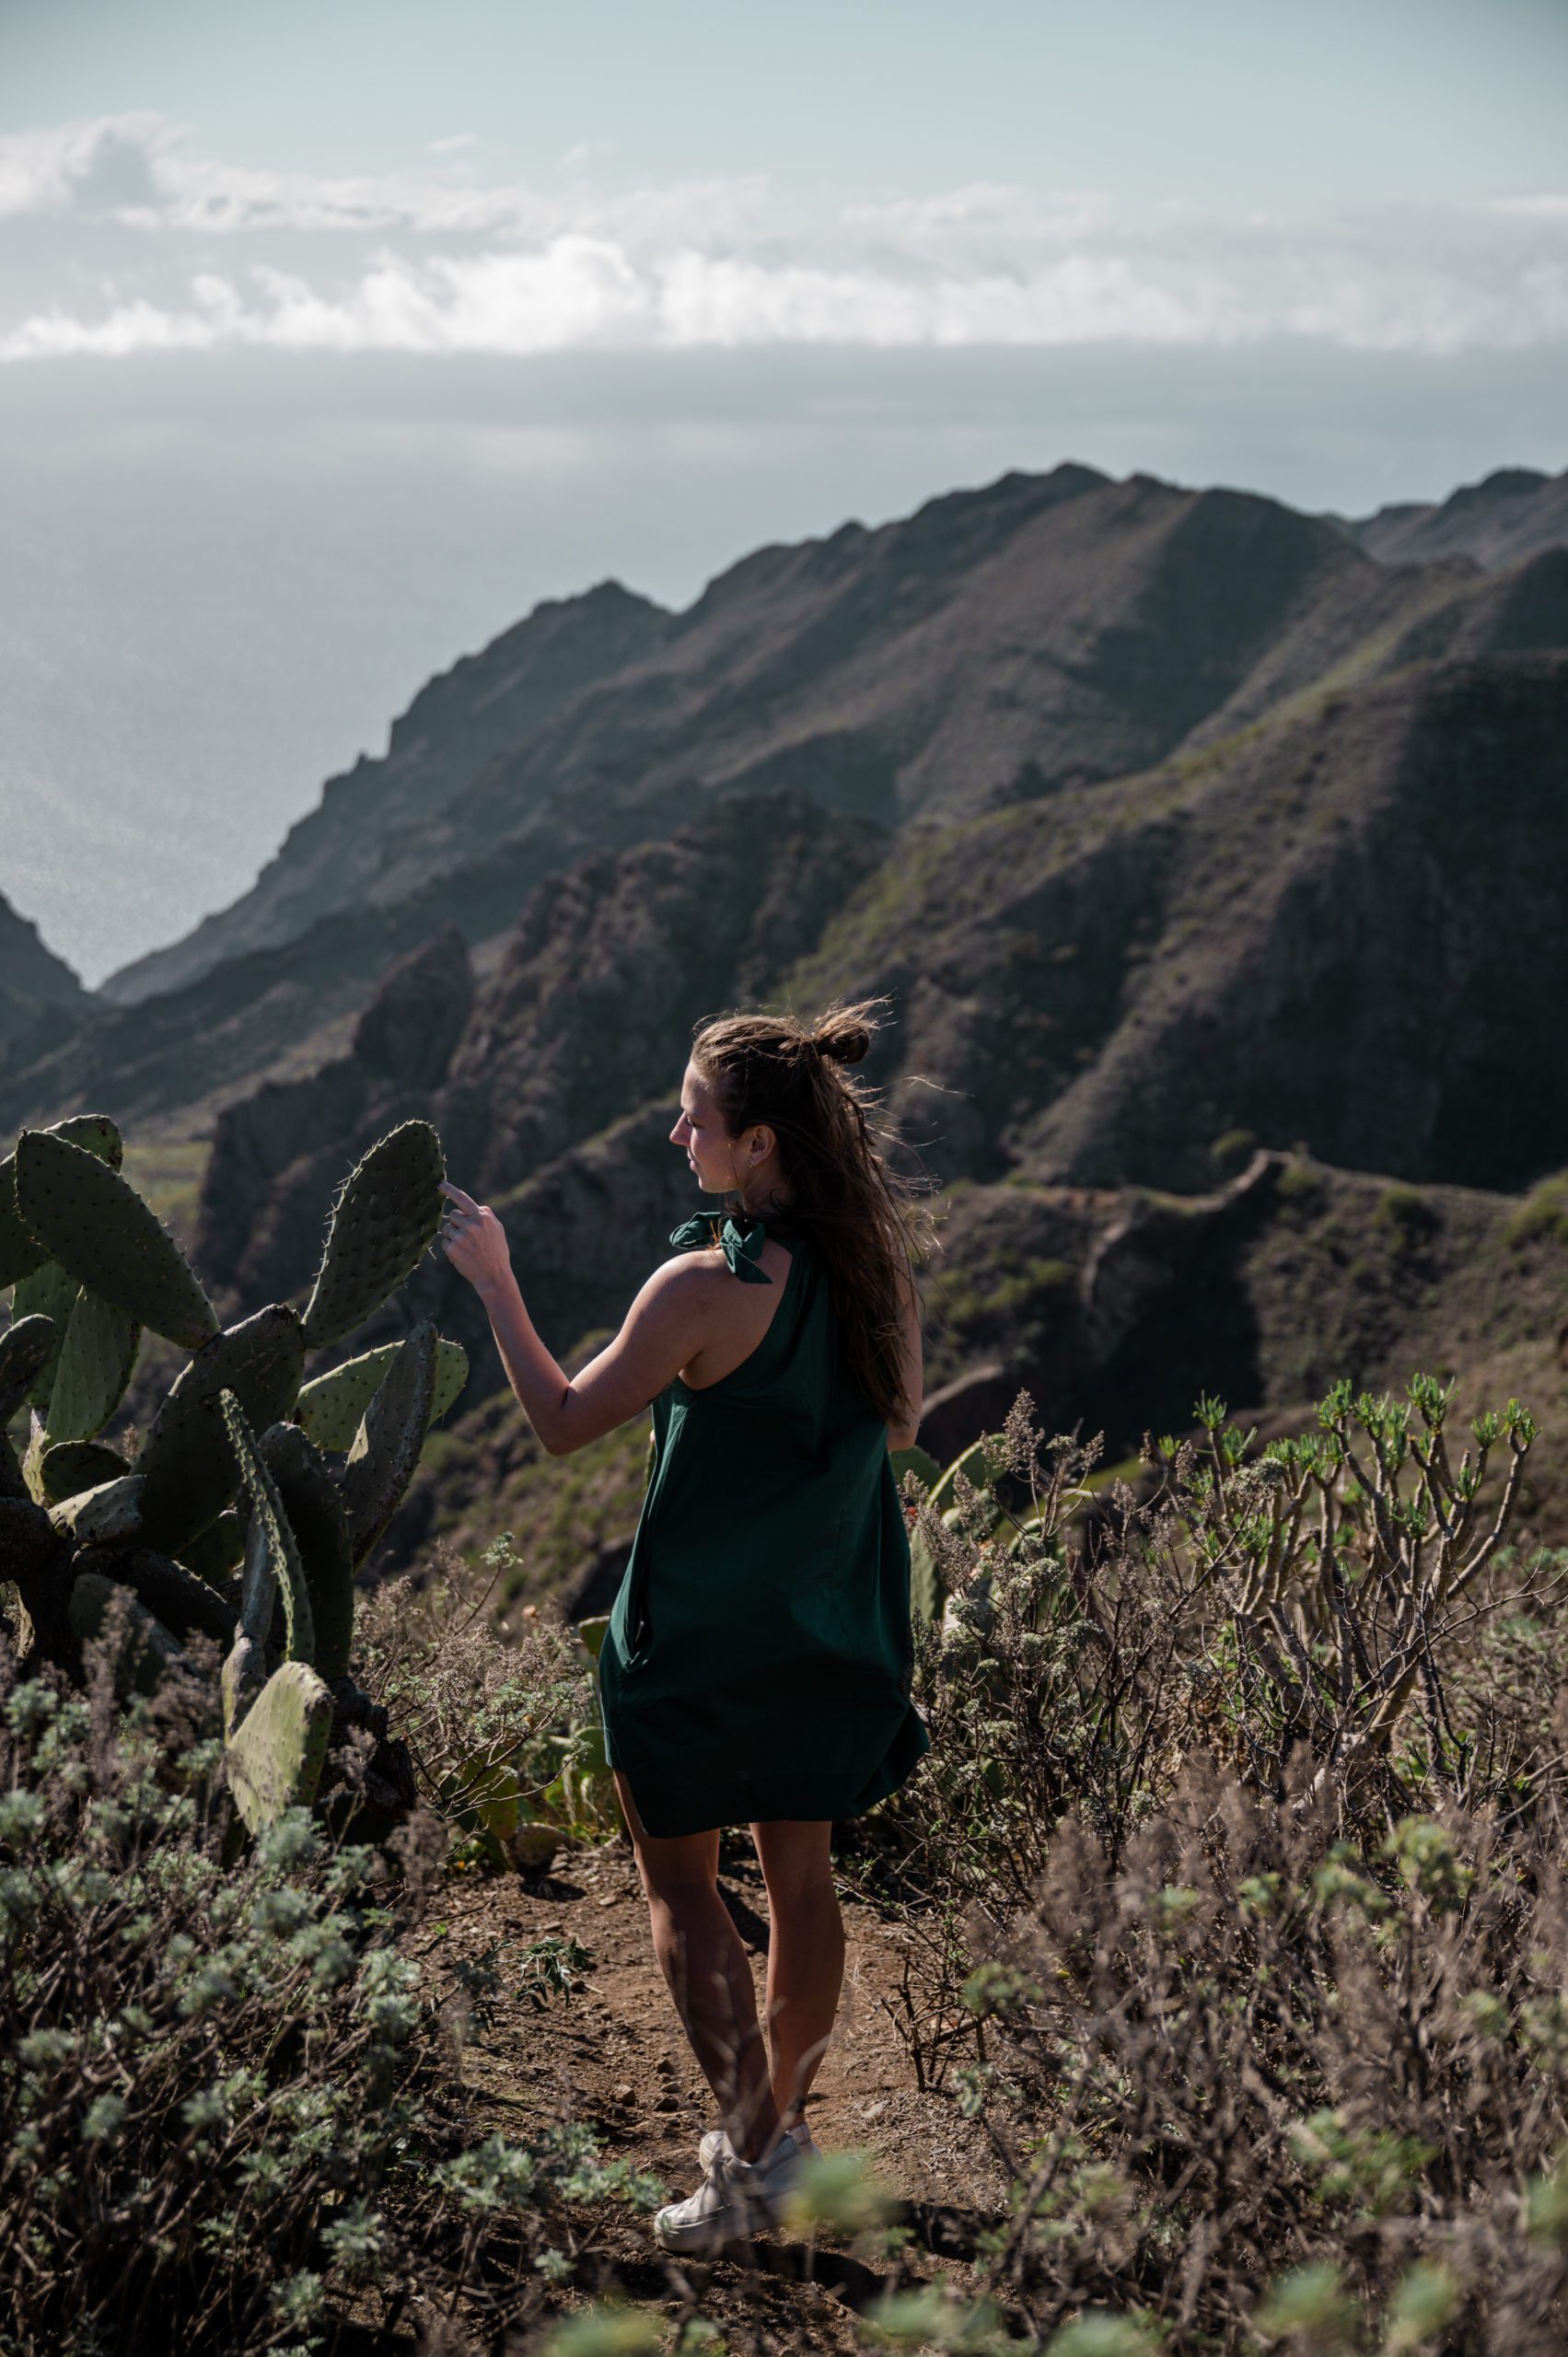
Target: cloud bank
193	254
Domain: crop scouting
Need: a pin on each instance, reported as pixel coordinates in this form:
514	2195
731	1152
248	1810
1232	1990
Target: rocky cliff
41	997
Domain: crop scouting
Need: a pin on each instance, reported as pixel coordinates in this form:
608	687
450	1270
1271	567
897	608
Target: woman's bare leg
805	1951
709	1973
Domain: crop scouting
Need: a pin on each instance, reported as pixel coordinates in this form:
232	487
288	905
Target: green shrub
1542	1216
226	2107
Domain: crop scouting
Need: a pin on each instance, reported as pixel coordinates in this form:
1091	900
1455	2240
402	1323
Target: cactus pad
13	1480
925	1587
189	1466
275	1757
47	1292
95	1223
314	1506
110	1510
94	1366
217	1552
329	1408
386	1449
272	1566
20	1251
383	1223
148	1647
73	1466
24	1347
180	1603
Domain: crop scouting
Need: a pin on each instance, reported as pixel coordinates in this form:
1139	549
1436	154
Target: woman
756	1669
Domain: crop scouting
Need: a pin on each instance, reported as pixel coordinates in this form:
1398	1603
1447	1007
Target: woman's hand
474	1241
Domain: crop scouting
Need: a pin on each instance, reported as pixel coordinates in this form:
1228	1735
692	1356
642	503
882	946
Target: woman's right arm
675	1314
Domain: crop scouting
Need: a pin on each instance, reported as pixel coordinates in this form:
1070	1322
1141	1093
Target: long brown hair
867	1219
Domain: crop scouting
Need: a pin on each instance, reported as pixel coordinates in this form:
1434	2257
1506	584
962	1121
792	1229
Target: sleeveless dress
756	1662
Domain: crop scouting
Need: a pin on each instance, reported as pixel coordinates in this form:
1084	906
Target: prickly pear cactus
93	1368
330	1407
20	1251
276	1755
111	1509
182	1605
314	1506
271	1568
93	1222
188	1461
149	1648
383	1223
386	1449
25	1347
48	1292
69	1467
157	1539
926	1587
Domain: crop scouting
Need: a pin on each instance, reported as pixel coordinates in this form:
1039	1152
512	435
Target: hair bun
842	1039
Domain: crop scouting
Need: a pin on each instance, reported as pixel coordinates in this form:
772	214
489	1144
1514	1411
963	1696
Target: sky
333	337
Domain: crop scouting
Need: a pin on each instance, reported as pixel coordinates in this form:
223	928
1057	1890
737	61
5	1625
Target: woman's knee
796	1863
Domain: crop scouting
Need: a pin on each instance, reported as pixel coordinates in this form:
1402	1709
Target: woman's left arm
663	1330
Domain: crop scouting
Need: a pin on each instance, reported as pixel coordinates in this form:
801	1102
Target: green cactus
217	1552
191	1469
330	1407
272	1569
274	1756
94	1224
89	1265
149	1648
21	1251
93	1369
47	1292
110	1510
13	1480
25	1345
180	1603
386	1448
925	1587
72	1465
383	1223
313	1507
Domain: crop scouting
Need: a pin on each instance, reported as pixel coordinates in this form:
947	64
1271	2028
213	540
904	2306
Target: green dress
756	1662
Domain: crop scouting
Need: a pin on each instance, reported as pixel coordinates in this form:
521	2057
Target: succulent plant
81	1526
383	1223
93	1224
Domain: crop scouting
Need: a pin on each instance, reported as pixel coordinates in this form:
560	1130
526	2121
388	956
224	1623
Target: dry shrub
1231	1889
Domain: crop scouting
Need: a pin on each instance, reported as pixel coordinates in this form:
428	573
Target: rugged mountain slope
588	1018
39	992
1513	515
1046	630
332	860
1345	927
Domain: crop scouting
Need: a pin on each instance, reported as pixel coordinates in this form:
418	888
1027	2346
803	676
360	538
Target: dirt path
612	2055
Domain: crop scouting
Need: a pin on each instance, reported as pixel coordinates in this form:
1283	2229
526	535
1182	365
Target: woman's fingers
459	1201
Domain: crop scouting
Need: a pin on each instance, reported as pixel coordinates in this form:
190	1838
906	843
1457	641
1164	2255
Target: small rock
622	2094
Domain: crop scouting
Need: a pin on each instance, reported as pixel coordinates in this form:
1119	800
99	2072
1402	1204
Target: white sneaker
717	2141
734	2201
